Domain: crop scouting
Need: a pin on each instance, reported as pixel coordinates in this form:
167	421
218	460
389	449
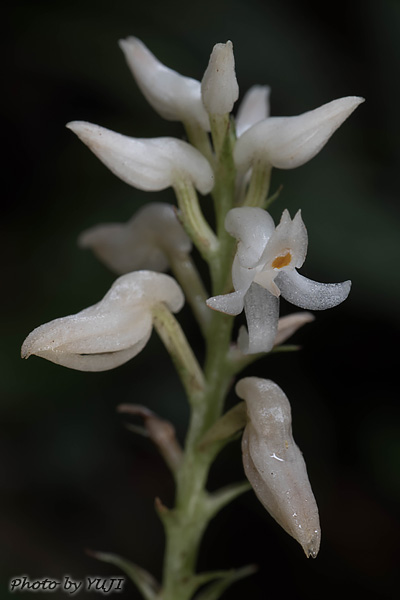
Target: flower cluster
232	159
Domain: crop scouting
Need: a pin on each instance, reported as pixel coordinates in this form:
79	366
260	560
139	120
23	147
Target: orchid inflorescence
230	158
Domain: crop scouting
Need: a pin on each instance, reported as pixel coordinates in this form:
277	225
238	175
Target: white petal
219	86
109	332
148	164
309	294
289	142
253	108
115	246
288	325
96	330
262	313
252	227
230	304
95	362
173	96
144	242
242	277
146	288
289	239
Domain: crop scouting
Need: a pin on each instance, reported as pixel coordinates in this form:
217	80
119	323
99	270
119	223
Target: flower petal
147	164
173	96
252	227
95	362
219	87
253	108
144	242
309	294
289	142
289	239
262	313
230	304
109	332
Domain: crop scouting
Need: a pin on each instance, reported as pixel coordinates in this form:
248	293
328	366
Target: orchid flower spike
146	241
110	332
289	142
173	96
264	268
147	164
274	464
219	87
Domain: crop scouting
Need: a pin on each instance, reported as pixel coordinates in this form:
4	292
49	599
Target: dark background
71	476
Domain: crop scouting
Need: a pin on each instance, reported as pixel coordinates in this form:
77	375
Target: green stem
259	185
186	523
194	505
186	273
193	220
181	352
200	140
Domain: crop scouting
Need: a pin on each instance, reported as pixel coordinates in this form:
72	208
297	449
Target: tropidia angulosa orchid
252	263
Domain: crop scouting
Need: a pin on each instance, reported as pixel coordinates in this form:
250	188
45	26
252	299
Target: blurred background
72	477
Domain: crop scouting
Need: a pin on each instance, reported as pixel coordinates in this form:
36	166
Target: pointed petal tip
25	353
311	549
77	127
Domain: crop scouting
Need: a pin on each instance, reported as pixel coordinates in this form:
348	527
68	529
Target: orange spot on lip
282	261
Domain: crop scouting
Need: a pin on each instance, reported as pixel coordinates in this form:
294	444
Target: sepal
110	332
146	241
152	164
173	96
289	142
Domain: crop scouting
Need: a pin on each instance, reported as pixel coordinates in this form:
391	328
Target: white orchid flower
173	96
147	164
110	332
146	241
264	268
274	464
289	142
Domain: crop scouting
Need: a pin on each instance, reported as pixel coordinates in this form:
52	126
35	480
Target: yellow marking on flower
282	261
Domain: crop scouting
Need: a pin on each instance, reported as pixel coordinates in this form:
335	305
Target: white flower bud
289	142
110	332
274	464
173	96
219	86
147	164
146	241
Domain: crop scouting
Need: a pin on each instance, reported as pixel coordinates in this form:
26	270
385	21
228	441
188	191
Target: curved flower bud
146	241
173	96
147	164
219	87
253	108
110	332
274	464
264	267
289	142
